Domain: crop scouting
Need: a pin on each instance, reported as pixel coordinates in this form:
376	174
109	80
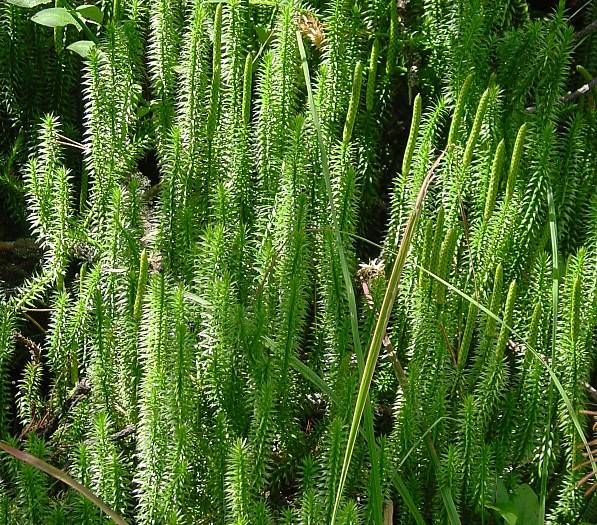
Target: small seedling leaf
55	17
91	13
82	47
28	4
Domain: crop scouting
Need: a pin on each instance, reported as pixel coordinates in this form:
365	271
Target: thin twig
581	90
35	323
573	95
396	365
50	422
66	141
127	431
586	30
591	392
19	245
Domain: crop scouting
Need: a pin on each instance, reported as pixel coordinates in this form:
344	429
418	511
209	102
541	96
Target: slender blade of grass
408	499
325	168
555	299
60	475
380	330
422	437
542	360
352	304
311	376
444	491
554	378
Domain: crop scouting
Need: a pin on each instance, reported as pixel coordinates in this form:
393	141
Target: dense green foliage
206	298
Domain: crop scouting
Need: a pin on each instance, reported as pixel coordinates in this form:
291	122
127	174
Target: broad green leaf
503	504
516	508
506	511
263	33
55	17
28	4
91	12
527	504
501	493
82	47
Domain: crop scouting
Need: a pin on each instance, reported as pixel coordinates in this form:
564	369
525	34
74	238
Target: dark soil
18	260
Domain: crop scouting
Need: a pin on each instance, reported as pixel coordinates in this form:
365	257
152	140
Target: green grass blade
542	360
422	437
60	475
312	377
352	304
380	330
406	496
444	491
555	299
534	351
325	168
399	483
